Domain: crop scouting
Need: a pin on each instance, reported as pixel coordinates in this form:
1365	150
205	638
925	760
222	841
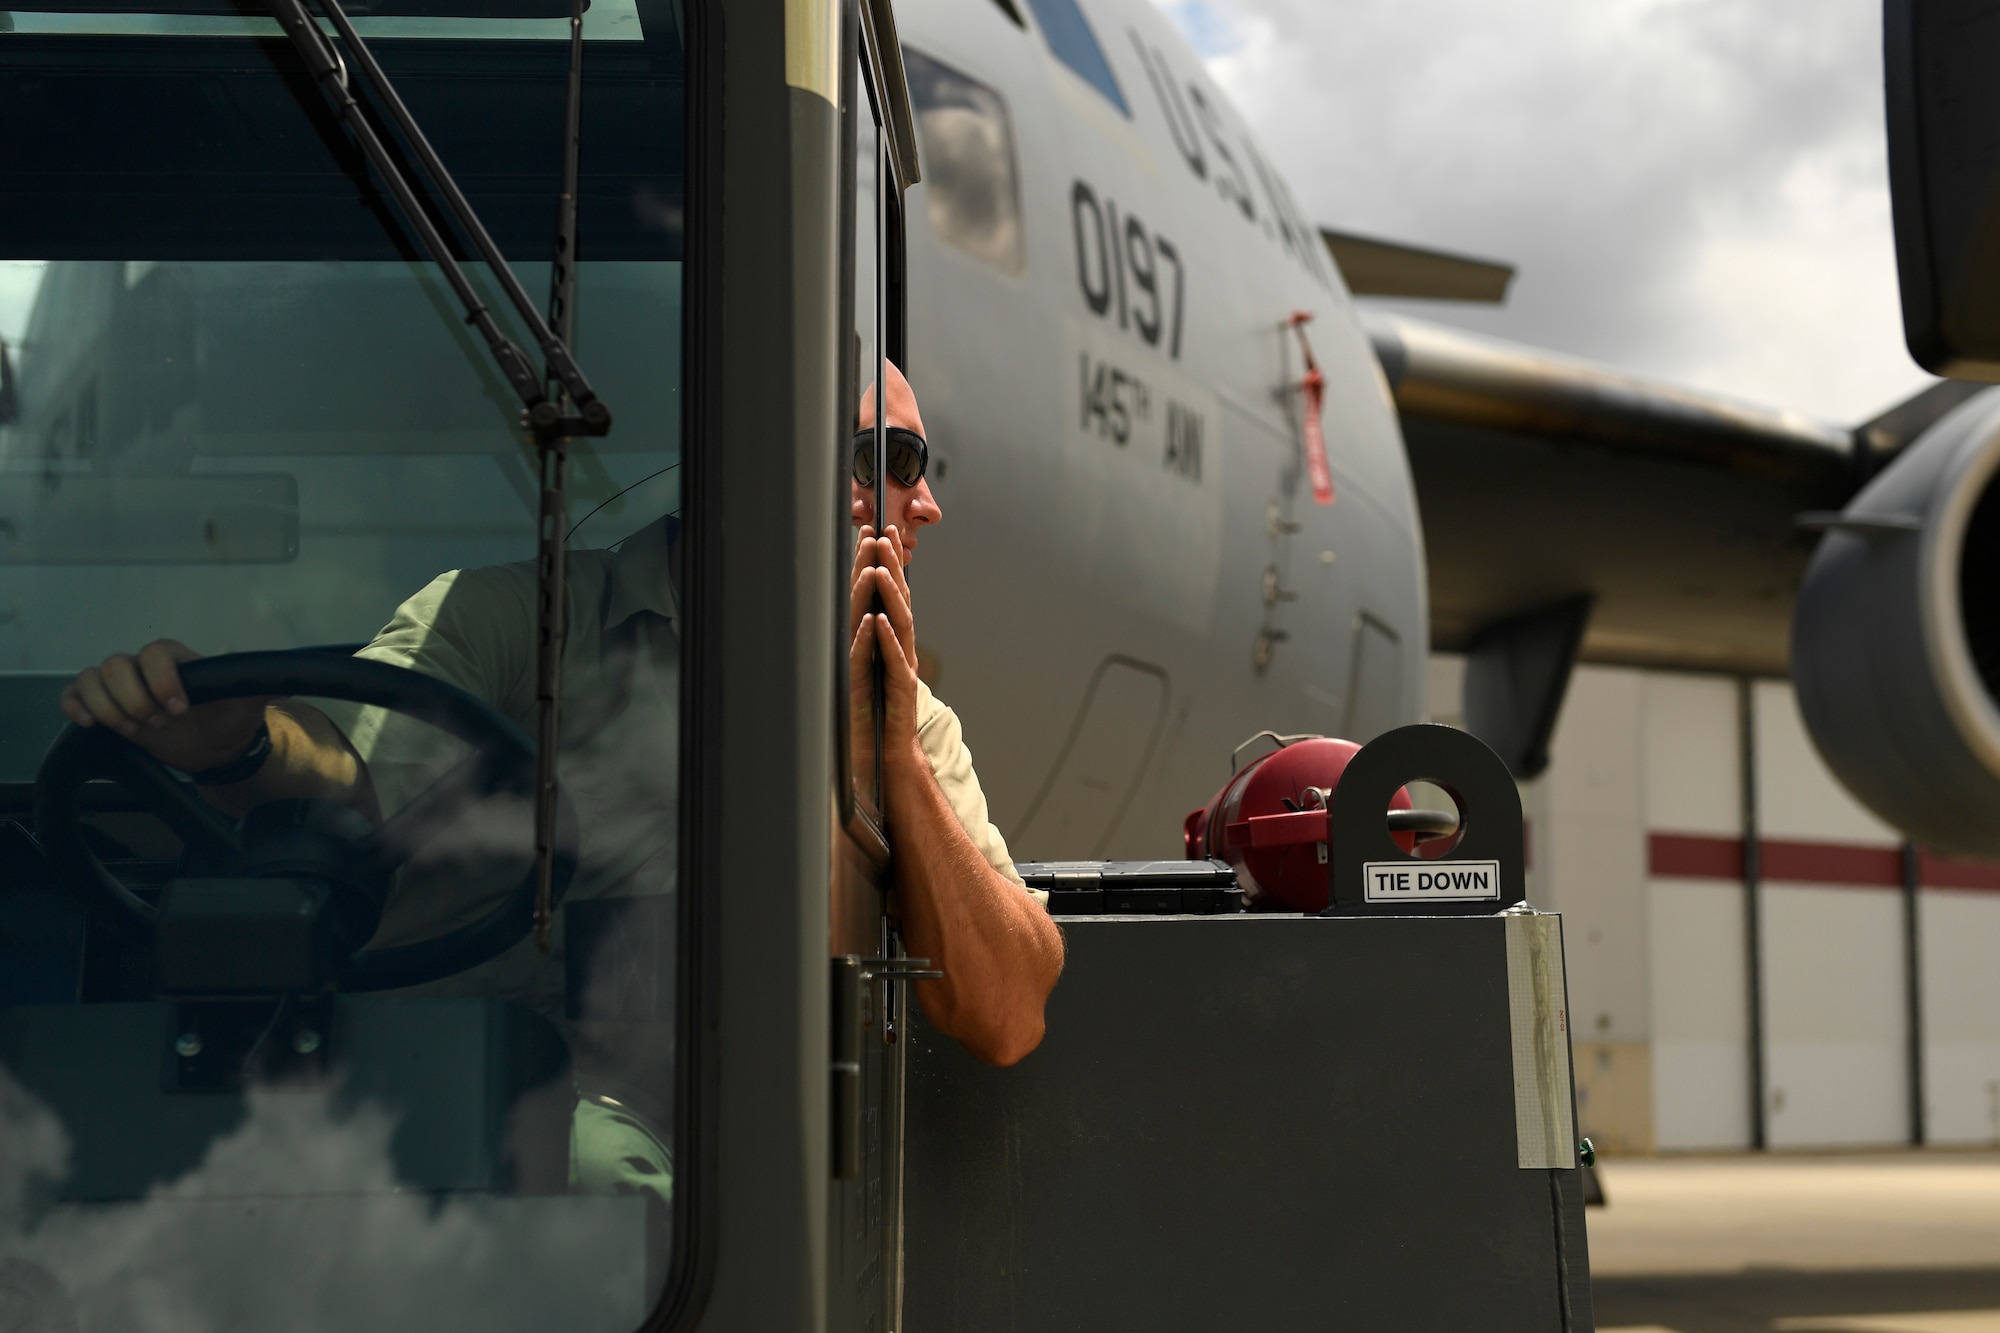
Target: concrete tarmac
1789	1243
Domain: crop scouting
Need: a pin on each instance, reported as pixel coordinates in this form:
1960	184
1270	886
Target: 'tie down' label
1440	881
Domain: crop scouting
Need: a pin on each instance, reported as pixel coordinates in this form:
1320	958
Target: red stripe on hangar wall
1688	856
1695	856
1943	872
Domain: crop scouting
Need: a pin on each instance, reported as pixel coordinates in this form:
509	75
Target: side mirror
1943	102
889	86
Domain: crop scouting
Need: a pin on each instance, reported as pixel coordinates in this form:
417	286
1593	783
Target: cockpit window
273	1059
971	188
1070	38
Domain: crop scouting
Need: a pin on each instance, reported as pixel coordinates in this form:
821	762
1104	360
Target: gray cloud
296	1220
1691	188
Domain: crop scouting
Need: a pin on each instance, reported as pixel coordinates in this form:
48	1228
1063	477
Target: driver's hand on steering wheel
140	696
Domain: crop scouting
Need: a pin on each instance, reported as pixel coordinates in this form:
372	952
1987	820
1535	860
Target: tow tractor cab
590	1013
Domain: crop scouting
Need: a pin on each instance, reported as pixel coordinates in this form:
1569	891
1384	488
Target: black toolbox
1150	888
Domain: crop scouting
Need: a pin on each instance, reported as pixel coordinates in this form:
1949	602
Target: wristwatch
243	767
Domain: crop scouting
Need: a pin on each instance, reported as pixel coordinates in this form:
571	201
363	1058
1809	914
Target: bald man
964	906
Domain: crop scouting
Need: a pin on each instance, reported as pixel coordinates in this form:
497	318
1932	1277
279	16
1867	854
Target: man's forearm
998	949
310	760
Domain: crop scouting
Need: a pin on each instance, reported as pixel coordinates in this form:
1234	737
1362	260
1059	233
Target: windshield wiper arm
544	415
543	401
551	551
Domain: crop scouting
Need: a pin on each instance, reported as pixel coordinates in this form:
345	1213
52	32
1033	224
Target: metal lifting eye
1426	824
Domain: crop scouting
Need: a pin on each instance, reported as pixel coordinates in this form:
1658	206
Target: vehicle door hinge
850	1014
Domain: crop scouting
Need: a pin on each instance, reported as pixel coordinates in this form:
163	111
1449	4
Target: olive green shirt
476	628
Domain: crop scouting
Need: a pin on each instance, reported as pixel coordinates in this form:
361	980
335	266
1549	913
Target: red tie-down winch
1270	822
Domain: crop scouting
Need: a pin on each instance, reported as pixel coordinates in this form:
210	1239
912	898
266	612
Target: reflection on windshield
244	417
298	1218
261	455
278	453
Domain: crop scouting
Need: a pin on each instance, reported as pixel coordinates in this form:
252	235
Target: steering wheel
502	762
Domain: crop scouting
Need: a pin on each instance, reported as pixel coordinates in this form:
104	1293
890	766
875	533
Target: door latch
848	1009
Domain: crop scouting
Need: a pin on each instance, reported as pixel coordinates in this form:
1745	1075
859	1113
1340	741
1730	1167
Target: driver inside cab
962	904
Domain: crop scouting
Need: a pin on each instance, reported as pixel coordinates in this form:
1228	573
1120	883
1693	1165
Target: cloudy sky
1691	188
1696	189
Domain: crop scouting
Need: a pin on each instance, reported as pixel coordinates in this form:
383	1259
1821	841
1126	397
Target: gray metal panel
1265	1122
764	502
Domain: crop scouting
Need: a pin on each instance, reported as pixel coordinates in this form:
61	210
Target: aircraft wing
1543	479
1374	267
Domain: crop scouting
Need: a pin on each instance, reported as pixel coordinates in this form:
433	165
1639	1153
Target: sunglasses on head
908	456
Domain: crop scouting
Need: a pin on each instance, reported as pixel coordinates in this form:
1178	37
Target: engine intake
1896	638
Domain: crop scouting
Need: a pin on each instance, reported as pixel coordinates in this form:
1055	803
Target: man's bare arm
998	949
141	697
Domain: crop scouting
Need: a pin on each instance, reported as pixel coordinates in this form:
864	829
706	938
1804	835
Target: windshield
239	410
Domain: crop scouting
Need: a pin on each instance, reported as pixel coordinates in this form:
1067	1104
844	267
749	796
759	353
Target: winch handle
1279	743
1489	816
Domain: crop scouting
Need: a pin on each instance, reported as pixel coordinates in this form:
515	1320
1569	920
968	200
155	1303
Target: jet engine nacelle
1896	639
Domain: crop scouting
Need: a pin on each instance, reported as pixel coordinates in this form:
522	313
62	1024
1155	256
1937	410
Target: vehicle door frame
763	804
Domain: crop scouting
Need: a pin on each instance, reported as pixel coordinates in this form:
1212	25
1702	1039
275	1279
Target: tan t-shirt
943	739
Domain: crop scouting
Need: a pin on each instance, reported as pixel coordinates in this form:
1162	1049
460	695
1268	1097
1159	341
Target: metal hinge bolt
1274	591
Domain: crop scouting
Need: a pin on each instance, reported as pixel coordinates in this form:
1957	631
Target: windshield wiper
543	416
556	405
